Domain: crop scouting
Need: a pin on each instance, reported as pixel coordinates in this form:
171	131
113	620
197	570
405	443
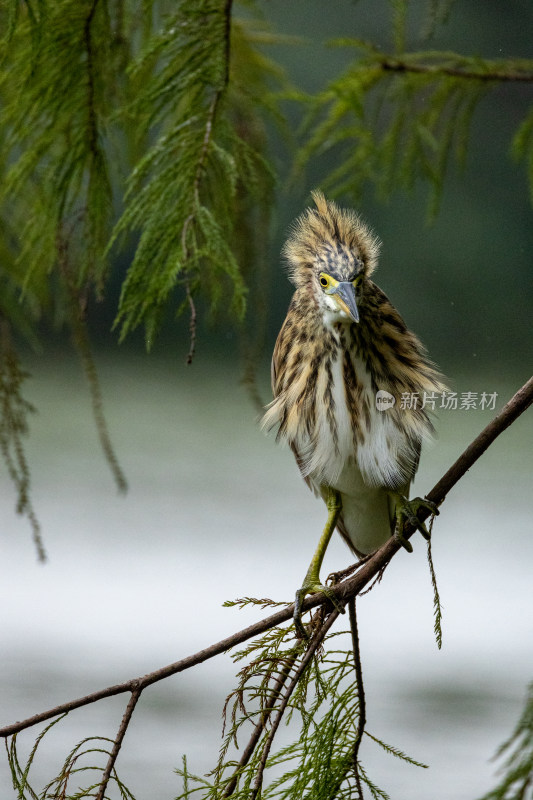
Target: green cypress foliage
56	84
517	767
164	99
140	128
394	119
14	412
189	175
156	110
322	714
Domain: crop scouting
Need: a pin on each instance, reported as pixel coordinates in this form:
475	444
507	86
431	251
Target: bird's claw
301	632
406	511
312	587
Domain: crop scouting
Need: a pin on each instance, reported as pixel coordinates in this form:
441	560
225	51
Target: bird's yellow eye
324	281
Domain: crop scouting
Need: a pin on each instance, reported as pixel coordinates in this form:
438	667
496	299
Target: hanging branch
344	591
261	725
501	75
390	119
192	324
315	642
14	411
361	722
188	177
200	168
82	344
92	121
130	708
353	763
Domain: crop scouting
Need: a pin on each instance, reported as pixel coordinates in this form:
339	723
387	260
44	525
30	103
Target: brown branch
519	403
361	720
136	693
349	588
312	647
159	674
261	725
397	65
509	413
192	325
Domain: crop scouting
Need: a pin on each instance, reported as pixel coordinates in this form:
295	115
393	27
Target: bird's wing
276	363
416	457
273	371
306	478
346	536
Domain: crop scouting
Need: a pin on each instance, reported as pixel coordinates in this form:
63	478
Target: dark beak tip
346	292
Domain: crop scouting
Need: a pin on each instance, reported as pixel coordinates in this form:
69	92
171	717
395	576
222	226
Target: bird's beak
344	294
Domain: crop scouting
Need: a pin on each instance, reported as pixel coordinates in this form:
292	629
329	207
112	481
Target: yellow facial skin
342	292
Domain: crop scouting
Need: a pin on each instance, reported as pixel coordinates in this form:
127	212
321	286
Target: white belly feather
323	456
361	468
359	474
367	511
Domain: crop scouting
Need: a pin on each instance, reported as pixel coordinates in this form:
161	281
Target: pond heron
352	388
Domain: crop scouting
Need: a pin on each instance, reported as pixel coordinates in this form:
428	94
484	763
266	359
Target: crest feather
329	229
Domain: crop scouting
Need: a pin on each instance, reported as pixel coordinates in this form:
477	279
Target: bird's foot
311	585
407	511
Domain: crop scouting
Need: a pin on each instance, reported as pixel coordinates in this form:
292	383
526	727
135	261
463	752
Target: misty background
215	510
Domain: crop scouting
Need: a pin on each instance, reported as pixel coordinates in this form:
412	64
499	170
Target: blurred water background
216	511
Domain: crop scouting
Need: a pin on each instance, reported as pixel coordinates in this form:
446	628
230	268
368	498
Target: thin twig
217	96
192	325
361	721
11	431
437	608
336	577
136	693
260	727
83	346
190	218
377	579
312	647
349	588
87	36
200	168
86	355
397	65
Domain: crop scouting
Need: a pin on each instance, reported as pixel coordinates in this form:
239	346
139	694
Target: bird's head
331	252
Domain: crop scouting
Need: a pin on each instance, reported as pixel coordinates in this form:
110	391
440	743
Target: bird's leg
406	511
312	582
